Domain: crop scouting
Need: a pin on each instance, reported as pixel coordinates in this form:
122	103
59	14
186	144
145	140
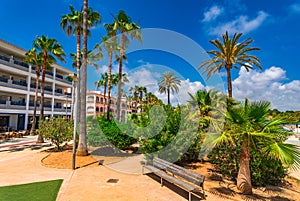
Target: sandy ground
215	184
91	181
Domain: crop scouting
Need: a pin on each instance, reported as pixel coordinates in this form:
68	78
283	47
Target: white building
17	89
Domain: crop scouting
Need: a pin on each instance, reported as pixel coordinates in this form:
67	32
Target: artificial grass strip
38	191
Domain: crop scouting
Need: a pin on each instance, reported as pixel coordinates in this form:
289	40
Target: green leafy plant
58	130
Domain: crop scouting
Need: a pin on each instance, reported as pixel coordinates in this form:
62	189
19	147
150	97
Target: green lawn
42	191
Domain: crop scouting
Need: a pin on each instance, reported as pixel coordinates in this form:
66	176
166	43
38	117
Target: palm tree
49	49
169	83
230	54
34	59
110	43
73	25
135	91
102	82
124	24
247	124
141	91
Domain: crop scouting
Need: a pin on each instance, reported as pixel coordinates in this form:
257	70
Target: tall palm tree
110	43
34	59
169	83
141	91
124	24
135	91
102	82
50	49
73	25
247	124
230	54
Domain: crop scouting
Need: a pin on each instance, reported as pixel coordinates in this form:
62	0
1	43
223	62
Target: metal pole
74	132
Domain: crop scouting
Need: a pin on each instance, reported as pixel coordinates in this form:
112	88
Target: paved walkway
20	163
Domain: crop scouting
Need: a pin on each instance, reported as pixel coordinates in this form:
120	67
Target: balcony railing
20	63
48	89
2	79
19	83
4	58
59	76
18	103
2	101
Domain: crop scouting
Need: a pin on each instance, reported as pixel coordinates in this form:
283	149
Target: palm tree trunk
78	74
229	82
40	138
120	77
109	85
244	178
82	145
78	97
168	91
32	130
105	86
141	101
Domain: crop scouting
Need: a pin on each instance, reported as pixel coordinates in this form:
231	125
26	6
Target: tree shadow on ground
111	152
18	148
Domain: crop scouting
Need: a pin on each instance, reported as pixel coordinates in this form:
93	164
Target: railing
60	91
4	58
20	63
2	79
48	89
19	83
2	101
18	103
59	76
48	105
33	86
31	104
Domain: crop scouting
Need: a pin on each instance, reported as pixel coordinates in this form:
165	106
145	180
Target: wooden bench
188	180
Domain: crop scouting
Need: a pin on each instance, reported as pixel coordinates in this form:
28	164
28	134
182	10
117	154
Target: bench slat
188	175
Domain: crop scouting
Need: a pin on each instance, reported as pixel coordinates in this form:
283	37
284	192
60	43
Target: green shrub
57	130
264	170
102	132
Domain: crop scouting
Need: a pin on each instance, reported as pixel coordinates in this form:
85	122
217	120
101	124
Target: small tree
58	130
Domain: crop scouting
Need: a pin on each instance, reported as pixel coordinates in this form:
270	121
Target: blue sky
273	25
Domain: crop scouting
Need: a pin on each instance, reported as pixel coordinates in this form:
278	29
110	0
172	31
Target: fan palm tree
34	59
247	124
124	24
169	83
50	49
230	54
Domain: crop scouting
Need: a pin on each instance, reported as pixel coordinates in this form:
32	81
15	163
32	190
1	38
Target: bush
264	170
57	130
102	132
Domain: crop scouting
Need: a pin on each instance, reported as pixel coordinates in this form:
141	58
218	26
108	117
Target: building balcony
13	84
5	104
14	63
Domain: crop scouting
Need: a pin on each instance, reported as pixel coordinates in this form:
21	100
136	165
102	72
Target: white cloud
146	76
241	24
115	69
268	85
295	8
212	13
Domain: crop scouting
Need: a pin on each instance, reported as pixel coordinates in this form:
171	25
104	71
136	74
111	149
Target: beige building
17	89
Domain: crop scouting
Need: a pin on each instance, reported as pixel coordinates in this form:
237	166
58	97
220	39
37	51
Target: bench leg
161	182
190	196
